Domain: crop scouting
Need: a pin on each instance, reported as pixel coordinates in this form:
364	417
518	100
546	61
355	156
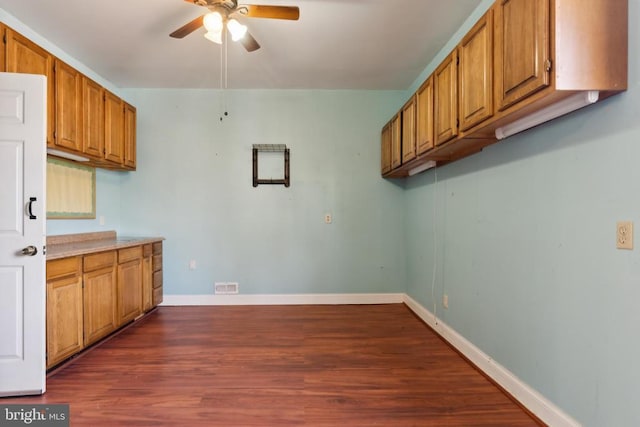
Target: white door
22	229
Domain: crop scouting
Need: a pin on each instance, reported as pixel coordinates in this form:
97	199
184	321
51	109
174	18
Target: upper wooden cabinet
424	117
522	57
24	56
129	136
77	109
93	118
409	131
445	81
396	142
523	60
475	74
3	53
385	149
113	128
69	107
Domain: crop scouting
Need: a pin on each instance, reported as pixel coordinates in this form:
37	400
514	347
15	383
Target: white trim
530	398
288	299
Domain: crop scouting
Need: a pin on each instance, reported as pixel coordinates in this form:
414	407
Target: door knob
30	251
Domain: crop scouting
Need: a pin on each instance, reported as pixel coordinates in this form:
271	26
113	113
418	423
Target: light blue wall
525	249
194	187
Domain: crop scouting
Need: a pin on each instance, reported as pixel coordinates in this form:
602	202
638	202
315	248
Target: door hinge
457	60
4	38
547	65
458	123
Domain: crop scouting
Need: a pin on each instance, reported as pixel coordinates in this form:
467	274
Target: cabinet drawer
147	250
157	248
157	262
63	267
129	254
157	279
100	260
157	296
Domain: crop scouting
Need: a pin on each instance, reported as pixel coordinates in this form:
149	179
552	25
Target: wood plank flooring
370	365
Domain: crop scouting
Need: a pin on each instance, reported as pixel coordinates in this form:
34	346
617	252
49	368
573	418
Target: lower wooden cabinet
147	277
100	314
129	284
157	273
64	309
91	296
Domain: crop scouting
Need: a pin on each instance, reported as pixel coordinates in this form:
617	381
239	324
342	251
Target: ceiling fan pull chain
226	72
221	82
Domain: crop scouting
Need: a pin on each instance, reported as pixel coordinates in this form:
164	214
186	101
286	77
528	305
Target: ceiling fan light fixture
214	36
213	22
236	29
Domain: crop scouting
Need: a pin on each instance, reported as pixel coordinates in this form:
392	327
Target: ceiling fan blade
188	28
274	12
249	42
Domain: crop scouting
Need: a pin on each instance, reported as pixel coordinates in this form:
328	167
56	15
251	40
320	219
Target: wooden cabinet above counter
83	124
524	62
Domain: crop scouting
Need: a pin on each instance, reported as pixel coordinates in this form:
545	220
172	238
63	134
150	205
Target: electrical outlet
192	264
328	218
624	235
445	301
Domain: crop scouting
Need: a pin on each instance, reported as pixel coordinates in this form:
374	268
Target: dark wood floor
371	365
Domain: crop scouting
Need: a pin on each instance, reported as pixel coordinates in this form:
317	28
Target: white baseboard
288	299
530	398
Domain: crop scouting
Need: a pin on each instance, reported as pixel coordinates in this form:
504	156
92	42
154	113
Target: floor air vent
222	288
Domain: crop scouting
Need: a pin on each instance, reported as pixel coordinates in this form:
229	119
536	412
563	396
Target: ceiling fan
222	14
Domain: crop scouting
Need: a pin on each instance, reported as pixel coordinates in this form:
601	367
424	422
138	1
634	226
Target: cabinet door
475	72
93	118
100	304
409	131
3	52
385	147
396	143
129	136
424	117
68	89
113	128
157	273
64	319
445	80
24	56
129	290
147	281
522	64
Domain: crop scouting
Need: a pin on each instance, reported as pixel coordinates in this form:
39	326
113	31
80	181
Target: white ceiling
336	44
